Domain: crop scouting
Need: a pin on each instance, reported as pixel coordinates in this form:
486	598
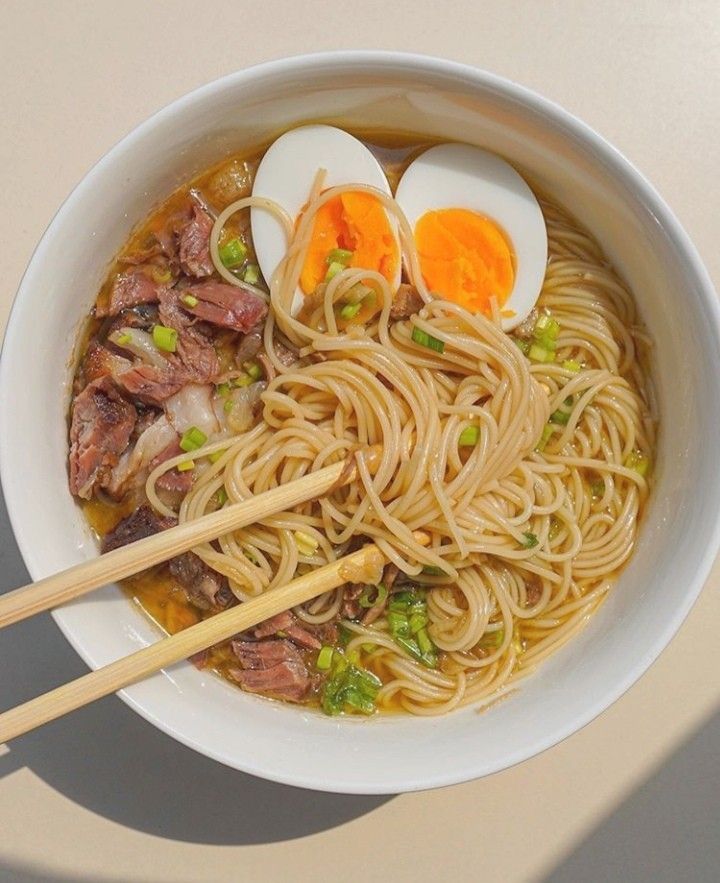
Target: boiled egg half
353	226
478	229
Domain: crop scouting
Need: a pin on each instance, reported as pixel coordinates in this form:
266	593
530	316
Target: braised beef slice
288	624
100	429
143	522
265	654
172	480
205	587
129	290
286	680
195	351
229	306
194	244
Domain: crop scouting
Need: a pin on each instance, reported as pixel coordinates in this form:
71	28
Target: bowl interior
430	98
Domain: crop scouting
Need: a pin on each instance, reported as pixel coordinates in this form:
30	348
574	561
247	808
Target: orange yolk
465	258
356	222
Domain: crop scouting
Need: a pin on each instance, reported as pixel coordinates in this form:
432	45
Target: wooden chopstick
175	648
128	560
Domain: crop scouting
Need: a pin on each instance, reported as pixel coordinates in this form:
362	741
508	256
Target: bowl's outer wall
431	98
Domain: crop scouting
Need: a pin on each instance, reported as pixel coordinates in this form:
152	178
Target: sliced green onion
242	380
638	462
425	339
161	275
416	622
545	437
433	570
492	640
339	256
560	417
349	311
523	345
358	293
332	271
215	456
165	338
185	466
540	353
597	488
251	274
228	406
223	389
469	437
221	496
123	339
254	370
189	300
324	660
306	544
372	596
424	641
530	540
192	439
572	365
233	253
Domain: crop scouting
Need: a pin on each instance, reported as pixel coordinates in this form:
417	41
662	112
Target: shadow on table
111	761
667	830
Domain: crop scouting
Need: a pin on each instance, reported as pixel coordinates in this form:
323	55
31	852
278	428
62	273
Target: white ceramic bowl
679	538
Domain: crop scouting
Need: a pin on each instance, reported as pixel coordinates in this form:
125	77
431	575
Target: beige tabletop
104	796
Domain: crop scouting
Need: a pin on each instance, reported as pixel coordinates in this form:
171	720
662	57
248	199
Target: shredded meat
101	426
406	302
143	522
205	587
151	384
100	362
351	608
194	244
229	306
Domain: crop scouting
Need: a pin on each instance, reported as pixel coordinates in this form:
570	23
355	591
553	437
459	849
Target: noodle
502	602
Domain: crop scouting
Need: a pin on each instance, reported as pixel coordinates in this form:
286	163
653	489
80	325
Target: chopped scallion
306	545
223	389
597	488
638	462
192	439
433	570
161	275
349	311
215	456
545	437
165	338
372	596
233	253
540	353
530	540
332	271
254	370
185	466
251	274
425	339
189	300
523	345
572	365
339	256
123	339
469	437
560	417
221	496
324	659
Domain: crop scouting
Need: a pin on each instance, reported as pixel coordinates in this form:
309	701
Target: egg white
286	174
465	177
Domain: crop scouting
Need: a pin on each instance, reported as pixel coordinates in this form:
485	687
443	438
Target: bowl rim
603	151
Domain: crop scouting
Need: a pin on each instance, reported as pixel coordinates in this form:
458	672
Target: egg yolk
465	258
356	222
